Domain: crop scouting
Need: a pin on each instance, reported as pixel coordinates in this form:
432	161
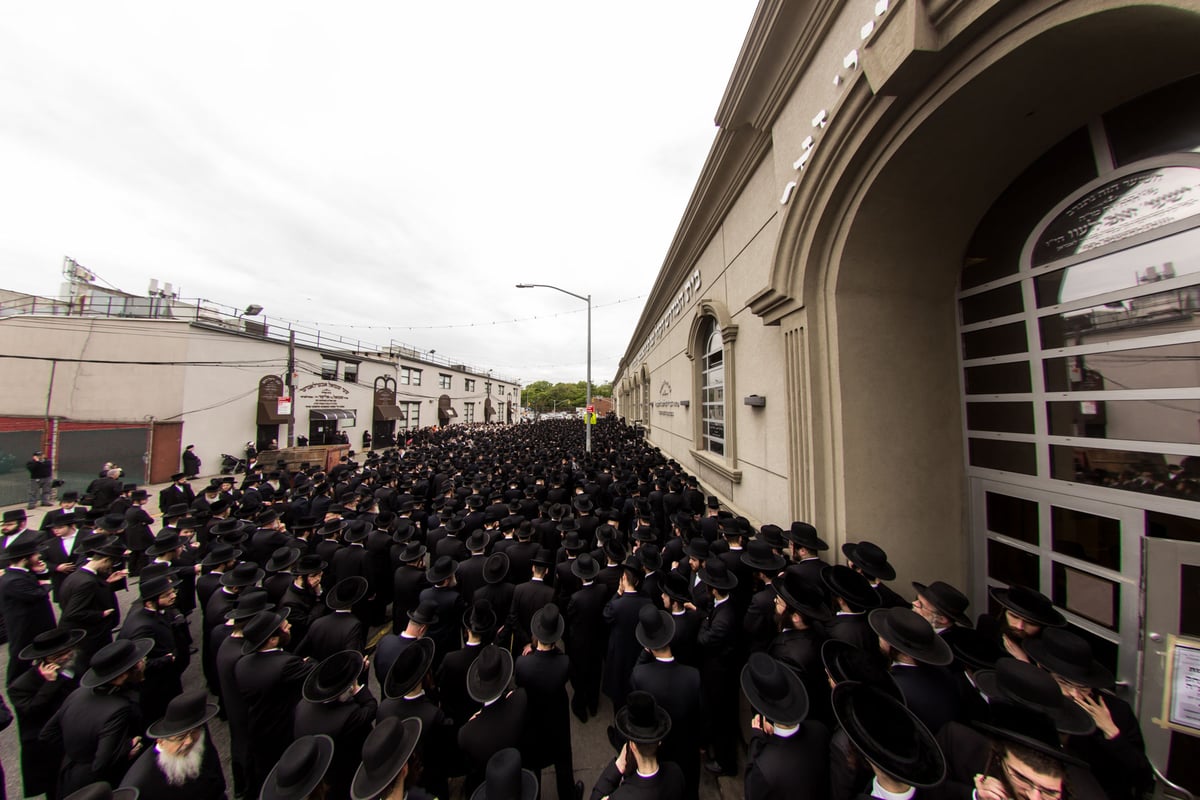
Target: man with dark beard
159	621
35	696
799	610
1026	614
183	763
88	598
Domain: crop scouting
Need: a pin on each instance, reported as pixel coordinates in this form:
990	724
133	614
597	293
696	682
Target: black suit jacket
452	683
470	576
776	766
854	629
801	650
586	631
621	614
547	734
84	598
929	692
528	599
676	687
34	701
167	659
225	666
332	633
93	729
25	603
759	621
495	727
175	494
151	783
407	585
348	724
270	683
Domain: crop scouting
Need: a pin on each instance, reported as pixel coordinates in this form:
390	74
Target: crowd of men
496	580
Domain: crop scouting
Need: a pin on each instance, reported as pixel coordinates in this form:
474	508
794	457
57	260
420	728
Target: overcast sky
394	163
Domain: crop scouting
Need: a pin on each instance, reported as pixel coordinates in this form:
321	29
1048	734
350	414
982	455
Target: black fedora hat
1069	656
185	712
1030	605
651	556
1024	726
51	643
774	690
261	627
802	596
412	553
871	559
100	790
805	535
15	515
113	660
716	574
489	674
888	734
547	624
846	662
282	558
495	567
111	523
505	780
911	634
441	569
946	600
572	542
698	549
758	555
850	586
333	676
1029	685
409	668
150	588
976	651
309	565
543	557
166	541
385	752
300	769
585	567
641	720
220	553
675	586
655	629
772	535
425	613
25	545
477	541
249	603
357	530
244	574
346	592
480	618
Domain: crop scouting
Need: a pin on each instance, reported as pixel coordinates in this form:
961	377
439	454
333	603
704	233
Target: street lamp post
587	417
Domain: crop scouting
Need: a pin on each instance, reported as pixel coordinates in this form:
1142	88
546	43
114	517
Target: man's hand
66	566
622	760
48	671
107	612
988	788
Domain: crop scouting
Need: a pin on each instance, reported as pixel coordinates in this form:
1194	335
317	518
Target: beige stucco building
936	288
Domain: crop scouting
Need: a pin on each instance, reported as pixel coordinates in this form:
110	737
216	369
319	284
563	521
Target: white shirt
884	794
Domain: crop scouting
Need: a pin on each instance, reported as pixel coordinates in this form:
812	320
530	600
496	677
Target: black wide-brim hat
642	720
716	574
805	535
332	676
1069	656
409	668
244	574
220	553
51	643
774	691
848	663
850	586
547	624
261	627
698	549
113	660
282	558
495	567
655	629
505	780
249	603
441	569
385	752
150	588
802	596
166	541
1030	686
976	651
480	618
871	559
585	567
888	734
100	790
911	634
651	557
300	769
25	545
675	586
489	674
1030	605
185	712
946	600
346	592
309	565
759	556
425	613
413	551
1026	727
543	557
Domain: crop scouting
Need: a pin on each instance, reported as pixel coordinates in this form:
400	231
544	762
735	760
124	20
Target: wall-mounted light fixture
755	401
685	403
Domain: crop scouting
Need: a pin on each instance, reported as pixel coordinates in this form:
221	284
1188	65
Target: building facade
937	287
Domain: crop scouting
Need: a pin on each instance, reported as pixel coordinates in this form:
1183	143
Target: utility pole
291	370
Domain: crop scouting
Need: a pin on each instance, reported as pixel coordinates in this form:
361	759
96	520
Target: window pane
1011	417
1086	536
1176	113
999	378
1169	526
1189	600
1015	517
1140	420
1124	469
1009	456
1012	565
1103	650
716	447
1165	312
999	341
990	305
329	369
1090	596
1170	367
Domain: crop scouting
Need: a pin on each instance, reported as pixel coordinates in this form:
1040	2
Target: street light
587	417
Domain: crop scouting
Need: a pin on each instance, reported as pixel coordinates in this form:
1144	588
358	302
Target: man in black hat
157	620
269	681
852	596
587	635
300	773
677	601
676	687
389	647
384	773
191	461
501	720
409	691
303	597
24	598
543	673
88	599
806	547
36	695
408	581
529	598
871	561
720	658
338	704
224	682
479	623
178	491
943	607
470	571
496	589
800	611
340	629
1026	614
918	658
786	749
58	546
98	727
448	605
759	620
637	772
621	614
184	761
138	534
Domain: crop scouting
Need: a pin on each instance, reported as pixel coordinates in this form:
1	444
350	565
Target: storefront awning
386	413
331	413
268	413
448	411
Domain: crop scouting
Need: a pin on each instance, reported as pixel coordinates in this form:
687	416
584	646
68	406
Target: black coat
165	662
138	535
528	599
929	692
174	495
34	701
306	607
621	614
759	621
25	603
676	687
225	662
547	734
776	766
54	553
1119	764
348	724
667	784
685	644
450	608
151	783
387	650
84	598
407	585
452	683
801	650
470	576
331	634
495	727
854	629
269	683
93	729
586	631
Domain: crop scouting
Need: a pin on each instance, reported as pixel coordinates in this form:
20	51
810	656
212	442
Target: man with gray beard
182	764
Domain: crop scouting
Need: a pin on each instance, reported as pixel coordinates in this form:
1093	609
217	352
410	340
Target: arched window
712	388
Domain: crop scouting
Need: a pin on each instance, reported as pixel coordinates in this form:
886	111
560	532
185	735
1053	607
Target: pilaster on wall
800	471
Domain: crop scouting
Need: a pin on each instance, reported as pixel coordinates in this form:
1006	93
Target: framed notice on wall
1181	700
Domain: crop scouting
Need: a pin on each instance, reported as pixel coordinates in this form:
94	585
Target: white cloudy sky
391	163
